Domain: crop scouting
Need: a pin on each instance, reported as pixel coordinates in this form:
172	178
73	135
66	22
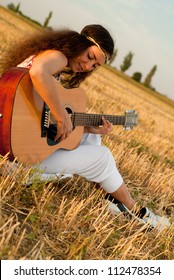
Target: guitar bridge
45	120
48	130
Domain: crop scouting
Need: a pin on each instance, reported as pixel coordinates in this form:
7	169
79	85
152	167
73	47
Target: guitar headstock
131	119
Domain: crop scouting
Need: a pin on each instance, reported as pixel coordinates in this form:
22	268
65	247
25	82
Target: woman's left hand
104	129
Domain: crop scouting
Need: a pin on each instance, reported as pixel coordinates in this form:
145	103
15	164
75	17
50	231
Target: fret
84	119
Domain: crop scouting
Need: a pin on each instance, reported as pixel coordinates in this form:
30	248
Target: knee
107	154
106	151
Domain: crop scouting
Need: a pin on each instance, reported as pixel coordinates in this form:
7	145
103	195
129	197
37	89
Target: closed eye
90	57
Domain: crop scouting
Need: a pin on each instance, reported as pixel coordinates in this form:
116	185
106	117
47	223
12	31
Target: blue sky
143	27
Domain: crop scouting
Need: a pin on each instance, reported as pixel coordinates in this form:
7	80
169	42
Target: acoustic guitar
27	127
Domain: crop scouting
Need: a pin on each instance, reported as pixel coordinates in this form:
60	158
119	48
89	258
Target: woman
71	57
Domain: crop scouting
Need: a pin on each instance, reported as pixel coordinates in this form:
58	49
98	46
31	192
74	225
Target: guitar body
21	110
27	128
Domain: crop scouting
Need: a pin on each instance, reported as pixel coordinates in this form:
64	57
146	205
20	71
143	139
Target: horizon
147	37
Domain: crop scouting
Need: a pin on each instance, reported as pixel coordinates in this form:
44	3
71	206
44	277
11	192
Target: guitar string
85	119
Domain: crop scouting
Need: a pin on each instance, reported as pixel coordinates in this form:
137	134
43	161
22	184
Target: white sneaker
115	208
147	217
153	220
112	207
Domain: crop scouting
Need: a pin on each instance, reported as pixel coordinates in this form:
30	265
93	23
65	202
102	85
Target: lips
80	68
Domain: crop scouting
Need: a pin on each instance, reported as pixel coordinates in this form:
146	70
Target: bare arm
45	65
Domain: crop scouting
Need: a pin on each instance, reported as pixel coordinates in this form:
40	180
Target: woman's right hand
44	66
64	125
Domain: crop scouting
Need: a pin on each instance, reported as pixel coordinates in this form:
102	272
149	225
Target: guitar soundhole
69	110
52	132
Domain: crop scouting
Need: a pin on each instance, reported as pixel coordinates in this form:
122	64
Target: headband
103	52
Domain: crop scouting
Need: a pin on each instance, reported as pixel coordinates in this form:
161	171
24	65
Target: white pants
90	160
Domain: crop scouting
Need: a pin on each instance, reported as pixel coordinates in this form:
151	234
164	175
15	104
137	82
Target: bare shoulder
53	55
52	60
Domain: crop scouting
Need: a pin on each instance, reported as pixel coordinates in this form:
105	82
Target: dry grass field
67	220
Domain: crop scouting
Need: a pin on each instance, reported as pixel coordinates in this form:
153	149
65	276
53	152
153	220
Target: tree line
17	10
127	61
137	76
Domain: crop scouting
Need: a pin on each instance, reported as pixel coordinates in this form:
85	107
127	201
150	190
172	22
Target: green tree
137	76
148	79
127	62
48	19
14	8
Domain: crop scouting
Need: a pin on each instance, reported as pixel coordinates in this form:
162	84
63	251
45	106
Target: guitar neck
83	119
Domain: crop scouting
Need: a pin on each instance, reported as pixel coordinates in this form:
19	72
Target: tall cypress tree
48	19
127	62
148	79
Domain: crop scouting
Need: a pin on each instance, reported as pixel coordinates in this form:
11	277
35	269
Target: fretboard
83	119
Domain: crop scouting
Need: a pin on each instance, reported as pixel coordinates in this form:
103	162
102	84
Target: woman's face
88	60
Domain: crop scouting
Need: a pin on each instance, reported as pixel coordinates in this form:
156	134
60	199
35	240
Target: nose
89	66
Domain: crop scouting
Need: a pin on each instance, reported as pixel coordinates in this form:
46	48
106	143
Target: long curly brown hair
69	42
